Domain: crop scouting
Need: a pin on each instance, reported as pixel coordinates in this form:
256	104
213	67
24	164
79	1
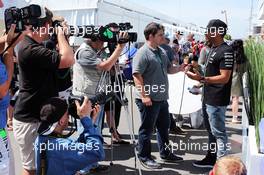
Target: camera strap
43	153
43	157
12	42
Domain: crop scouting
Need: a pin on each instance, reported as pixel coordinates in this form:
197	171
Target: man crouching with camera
58	155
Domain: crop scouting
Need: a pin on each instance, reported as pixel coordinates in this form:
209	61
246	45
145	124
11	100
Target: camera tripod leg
112	148
132	117
105	80
111	129
132	137
124	103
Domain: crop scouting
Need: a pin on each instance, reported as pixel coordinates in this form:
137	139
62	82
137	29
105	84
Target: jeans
172	123
216	115
211	138
153	116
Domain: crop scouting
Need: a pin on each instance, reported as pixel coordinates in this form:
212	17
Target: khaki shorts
25	135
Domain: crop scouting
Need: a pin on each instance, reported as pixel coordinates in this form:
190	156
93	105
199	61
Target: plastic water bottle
261	135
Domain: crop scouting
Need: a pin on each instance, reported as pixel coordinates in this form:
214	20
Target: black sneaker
207	162
177	131
150	164
100	169
120	142
172	158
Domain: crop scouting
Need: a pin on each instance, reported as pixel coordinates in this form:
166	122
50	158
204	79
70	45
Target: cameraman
58	155
37	75
90	63
6	73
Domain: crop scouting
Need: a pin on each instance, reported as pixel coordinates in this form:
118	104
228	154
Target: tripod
105	80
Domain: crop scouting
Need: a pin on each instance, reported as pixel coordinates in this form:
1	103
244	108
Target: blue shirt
4	102
66	156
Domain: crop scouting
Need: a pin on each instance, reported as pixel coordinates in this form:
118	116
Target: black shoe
177	130
120	142
207	162
150	164
172	158
100	169
119	135
106	145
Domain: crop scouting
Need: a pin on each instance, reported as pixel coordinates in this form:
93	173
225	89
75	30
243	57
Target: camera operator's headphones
104	31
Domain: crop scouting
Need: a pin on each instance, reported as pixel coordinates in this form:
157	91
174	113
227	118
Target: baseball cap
51	112
217	24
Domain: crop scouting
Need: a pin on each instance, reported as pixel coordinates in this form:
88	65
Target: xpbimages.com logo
57	146
147	89
213	31
79	31
192	146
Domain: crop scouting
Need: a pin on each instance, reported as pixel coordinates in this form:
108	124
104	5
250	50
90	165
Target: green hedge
255	55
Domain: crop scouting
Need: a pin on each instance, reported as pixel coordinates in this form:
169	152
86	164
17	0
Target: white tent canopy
66	5
102	12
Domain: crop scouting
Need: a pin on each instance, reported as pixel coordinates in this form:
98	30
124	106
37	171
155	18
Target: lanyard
158	57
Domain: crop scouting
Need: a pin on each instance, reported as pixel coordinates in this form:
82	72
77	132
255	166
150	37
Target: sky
200	12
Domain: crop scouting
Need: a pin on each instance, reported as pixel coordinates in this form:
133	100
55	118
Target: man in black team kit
217	86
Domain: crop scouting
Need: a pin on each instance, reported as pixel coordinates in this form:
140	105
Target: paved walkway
123	156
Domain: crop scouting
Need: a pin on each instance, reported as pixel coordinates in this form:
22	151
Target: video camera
108	33
100	98
29	15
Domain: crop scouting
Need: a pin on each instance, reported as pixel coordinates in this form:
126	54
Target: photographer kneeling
58	155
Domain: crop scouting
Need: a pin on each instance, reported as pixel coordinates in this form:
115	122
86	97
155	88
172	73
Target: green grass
255	55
